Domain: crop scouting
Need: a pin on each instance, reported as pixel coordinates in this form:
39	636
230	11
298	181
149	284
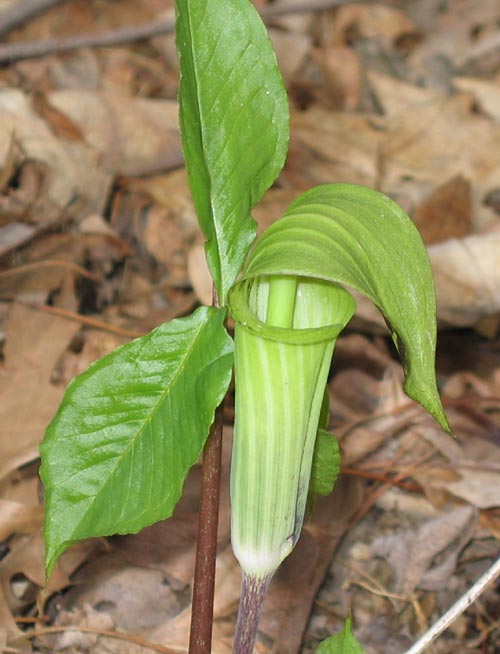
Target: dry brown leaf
370	21
349	143
13	236
491	520
395	96
480	488
473	470
10	634
171	191
82	641
34	342
22	572
486	93
26	559
163	238
58	123
144	137
342	71
97	344
72	168
17	518
413	555
446	212
467	278
136	599
435	142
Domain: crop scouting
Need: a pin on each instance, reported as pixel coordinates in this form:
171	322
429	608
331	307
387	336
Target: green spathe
356	236
280	376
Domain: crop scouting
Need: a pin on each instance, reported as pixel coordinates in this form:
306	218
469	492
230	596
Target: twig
50	263
20	12
356	472
45	631
29	49
457	609
85	320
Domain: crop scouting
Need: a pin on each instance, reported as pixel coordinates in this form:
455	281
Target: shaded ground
99	243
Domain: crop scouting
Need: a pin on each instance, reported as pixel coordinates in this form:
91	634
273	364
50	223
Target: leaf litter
98	242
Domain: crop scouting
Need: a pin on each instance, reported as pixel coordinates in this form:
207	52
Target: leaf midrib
196	77
146	422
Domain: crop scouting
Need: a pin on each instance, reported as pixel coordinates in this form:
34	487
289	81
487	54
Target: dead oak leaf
426	557
28	400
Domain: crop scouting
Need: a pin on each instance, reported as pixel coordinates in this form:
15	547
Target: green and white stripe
281	373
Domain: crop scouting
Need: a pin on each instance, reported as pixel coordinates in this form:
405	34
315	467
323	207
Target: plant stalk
200	637
202	608
253	594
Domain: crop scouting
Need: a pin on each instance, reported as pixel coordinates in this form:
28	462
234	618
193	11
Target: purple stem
253	594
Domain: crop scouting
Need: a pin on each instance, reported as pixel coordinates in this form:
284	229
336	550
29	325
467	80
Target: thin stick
457	609
29	49
35	265
202	611
108	633
85	320
22	11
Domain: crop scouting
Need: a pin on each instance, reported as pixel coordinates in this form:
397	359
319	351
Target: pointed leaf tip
342	643
115	457
358	237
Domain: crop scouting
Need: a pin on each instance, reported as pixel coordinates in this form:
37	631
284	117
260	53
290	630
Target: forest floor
99	243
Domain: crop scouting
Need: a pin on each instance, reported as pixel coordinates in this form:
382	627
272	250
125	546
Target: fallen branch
457	609
29	49
22	11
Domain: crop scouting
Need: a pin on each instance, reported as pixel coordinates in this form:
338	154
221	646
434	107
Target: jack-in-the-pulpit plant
116	455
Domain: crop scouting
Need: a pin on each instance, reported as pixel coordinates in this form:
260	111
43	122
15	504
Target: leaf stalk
200	636
202	608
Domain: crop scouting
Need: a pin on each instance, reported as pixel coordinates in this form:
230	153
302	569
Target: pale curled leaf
115	457
342	643
234	123
355	236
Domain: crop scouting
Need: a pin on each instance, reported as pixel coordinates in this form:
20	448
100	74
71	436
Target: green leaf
359	237
115	457
234	123
342	643
325	464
